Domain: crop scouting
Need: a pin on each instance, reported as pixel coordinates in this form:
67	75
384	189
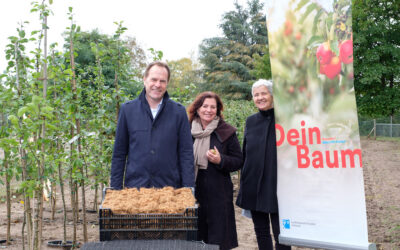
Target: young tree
185	76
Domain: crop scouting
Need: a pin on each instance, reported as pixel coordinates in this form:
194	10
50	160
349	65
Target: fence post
391	125
374	129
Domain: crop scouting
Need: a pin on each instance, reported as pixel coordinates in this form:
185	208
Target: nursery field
382	189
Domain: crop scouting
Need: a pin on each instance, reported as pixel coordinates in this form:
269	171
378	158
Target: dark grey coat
259	174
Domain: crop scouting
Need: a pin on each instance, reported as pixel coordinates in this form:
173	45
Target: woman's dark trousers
261	223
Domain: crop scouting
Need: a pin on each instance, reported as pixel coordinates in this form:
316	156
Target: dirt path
381	160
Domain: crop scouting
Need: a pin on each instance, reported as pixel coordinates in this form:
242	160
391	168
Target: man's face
155	83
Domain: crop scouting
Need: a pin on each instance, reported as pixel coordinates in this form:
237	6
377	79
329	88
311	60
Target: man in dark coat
153	144
258	183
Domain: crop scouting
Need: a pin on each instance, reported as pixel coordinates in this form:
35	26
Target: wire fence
385	127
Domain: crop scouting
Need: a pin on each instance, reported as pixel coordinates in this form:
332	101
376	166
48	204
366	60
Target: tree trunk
117	98
23	232
78	128
42	164
8	186
60	178
37	213
22	160
53	196
8	198
72	190
83	195
27	201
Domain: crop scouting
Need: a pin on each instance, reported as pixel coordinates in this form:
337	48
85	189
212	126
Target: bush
235	113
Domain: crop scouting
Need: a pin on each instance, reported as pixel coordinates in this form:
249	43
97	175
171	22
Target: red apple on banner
346	52
332	69
324	53
288	28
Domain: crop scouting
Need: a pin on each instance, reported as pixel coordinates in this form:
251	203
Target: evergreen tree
229	60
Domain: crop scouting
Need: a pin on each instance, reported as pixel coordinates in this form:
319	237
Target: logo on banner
286	223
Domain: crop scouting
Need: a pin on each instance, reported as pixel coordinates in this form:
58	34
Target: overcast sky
175	27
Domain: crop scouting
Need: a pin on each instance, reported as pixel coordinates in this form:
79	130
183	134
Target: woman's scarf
202	142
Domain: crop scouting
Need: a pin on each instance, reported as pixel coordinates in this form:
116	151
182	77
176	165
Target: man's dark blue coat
152	152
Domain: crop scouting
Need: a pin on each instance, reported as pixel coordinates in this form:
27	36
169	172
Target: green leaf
28	121
301	4
329	20
309	9
33	108
47	109
22	111
36	99
21	33
316	19
10	141
11	64
13	119
50	126
335	46
68	71
13	39
314	41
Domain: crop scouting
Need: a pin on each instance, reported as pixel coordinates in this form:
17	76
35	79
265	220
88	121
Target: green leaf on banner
316	19
314	41
301	4
310	8
335	46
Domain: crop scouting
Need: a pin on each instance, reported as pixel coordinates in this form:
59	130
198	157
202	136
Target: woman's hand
214	156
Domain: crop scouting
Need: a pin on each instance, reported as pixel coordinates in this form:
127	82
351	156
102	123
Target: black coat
259	174
214	190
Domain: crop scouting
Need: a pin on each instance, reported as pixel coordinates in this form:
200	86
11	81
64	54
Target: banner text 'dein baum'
312	136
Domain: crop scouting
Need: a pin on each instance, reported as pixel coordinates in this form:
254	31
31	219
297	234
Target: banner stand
320	185
322	244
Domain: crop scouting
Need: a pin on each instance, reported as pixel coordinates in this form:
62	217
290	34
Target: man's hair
262	82
198	102
157	63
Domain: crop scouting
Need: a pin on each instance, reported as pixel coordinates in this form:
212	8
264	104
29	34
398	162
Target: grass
382	138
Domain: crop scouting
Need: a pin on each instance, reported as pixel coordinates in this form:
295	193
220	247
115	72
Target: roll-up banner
320	179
